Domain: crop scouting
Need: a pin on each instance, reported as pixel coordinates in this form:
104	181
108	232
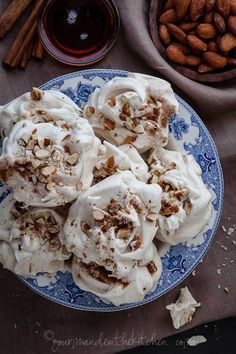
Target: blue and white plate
187	134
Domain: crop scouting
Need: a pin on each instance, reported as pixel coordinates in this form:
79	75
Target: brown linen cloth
29	322
210	101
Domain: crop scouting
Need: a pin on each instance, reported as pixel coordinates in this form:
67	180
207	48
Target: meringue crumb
226	289
193	273
223	228
218	271
230	231
195	340
183	309
218	286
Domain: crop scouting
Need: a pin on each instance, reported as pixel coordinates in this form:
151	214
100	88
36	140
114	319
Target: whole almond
177	33
188	26
169	17
227	42
231	61
175	54
193	60
209	4
181	7
218	39
164	34
204	69
168	5
219	23
206	31
196	9
232	24
196	43
215	60
208	17
223	7
184	48
212	46
233	7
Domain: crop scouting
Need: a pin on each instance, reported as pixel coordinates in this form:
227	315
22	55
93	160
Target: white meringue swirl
186	202
133	109
47	164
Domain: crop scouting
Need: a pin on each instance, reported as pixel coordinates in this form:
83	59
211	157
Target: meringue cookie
113	224
39	107
142	279
112	159
33	244
133	110
186	202
46	164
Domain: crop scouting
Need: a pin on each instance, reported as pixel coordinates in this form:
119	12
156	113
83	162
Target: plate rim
215	227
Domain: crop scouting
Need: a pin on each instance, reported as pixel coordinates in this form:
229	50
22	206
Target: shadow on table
220	337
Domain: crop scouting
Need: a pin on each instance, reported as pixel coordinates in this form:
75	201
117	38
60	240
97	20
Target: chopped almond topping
112	101
36	94
110	162
187	206
136	242
164	122
129	139
72	159
109	124
98	215
89	111
152	268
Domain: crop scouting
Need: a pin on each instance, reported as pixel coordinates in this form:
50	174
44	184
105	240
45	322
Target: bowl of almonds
196	37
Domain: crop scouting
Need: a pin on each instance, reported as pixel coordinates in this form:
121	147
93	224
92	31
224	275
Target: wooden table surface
32	324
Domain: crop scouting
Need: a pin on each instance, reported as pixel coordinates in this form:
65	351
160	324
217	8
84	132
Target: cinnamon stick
26	56
11	15
38	50
24	37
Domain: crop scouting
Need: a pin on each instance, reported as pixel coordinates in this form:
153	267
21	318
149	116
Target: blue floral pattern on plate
189	134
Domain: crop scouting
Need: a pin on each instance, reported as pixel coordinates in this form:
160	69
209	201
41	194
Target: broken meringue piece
195	340
183	309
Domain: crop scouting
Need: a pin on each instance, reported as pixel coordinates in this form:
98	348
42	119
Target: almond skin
188	26
181	8
164	34
209	4
233	7
212	46
196	43
208	17
204	69
219	23
232	24
175	54
168	5
193	60
223	7
206	31
215	60
231	61
169	17
227	42
184	48
177	33
196	9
